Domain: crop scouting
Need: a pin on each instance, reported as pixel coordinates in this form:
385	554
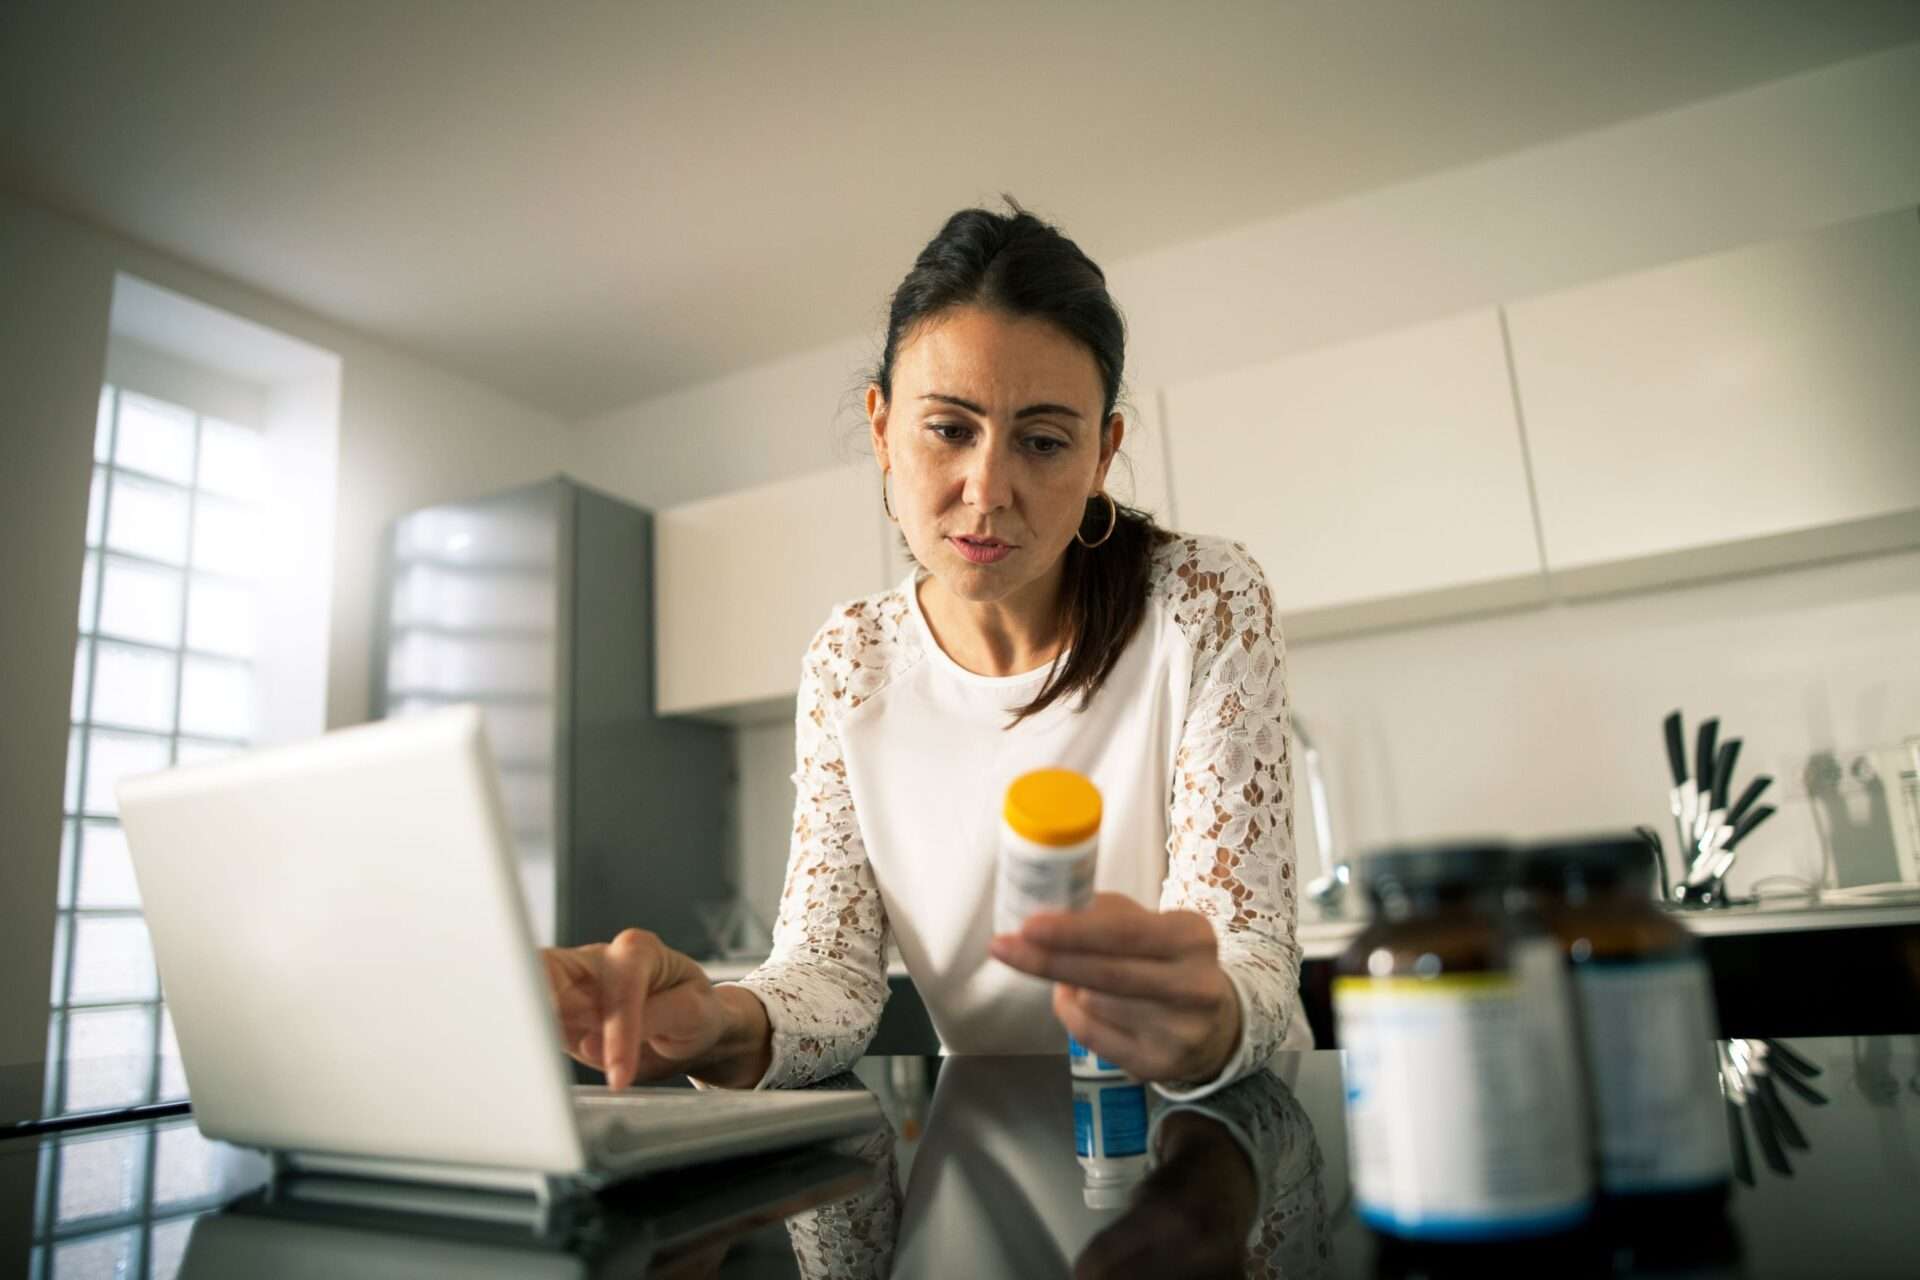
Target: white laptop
356	989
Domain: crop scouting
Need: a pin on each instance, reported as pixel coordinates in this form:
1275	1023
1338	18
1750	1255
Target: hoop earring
884	504
1113	519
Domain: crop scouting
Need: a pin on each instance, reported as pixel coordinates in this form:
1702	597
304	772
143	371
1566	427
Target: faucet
1327	888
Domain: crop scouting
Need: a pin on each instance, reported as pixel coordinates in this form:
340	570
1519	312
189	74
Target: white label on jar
1650	1055
1035	879
1464	1113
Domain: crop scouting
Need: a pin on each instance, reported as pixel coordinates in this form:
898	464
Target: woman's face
994	439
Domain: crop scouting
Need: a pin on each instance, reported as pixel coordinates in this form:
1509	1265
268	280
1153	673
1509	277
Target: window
163	675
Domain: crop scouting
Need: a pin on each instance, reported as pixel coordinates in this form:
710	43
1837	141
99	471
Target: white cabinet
746	578
1377	482
1737	411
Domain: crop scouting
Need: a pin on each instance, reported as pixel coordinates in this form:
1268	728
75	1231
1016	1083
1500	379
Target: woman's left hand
1143	989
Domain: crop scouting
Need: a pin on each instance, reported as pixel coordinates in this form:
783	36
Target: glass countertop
975	1175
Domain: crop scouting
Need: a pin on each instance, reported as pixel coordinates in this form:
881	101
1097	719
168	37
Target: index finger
1112	933
629	976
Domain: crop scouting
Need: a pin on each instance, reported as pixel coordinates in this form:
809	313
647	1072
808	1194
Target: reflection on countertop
1251	1181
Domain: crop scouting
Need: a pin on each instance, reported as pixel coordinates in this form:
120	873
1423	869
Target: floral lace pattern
1230	850
1230	817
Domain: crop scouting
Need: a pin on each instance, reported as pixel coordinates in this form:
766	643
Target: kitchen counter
1323	937
977	1157
1799	965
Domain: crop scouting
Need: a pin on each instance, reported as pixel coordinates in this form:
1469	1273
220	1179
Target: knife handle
1703	752
1783	1122
1723	771
1737	1140
1676	748
1791	1059
1747	797
1748	823
1801	1087
1776	1155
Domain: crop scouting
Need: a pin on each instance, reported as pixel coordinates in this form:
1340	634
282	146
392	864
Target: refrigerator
537	604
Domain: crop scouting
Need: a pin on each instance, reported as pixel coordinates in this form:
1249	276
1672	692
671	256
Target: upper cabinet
745	579
1377	482
1739	411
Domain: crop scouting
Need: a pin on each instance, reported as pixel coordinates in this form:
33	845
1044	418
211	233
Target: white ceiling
589	203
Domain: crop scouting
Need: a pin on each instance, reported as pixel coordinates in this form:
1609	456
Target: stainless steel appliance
537	605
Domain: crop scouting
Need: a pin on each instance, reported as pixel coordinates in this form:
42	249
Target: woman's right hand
639	1010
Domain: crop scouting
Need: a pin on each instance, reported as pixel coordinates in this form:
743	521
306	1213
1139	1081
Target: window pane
112	960
232	461
109	1060
60	924
167	1248
226	538
106	1255
155	437
216	698
103	427
113	756
134	687
106	867
69	847
89	580
96	506
141	602
186	1166
191	751
148	519
100	1175
72	799
81	651
221	618
173	1079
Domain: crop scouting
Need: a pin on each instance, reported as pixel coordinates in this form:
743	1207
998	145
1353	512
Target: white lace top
903	758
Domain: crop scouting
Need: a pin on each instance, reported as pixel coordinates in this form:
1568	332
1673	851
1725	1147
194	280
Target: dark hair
1018	265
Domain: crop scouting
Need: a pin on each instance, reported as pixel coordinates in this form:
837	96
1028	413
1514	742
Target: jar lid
1055	807
1602	856
1439	866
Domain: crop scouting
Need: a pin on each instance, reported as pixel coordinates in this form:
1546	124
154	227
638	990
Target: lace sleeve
1230	821
826	981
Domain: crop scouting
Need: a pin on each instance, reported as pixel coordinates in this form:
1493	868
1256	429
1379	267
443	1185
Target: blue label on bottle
1079	1055
1082	1127
1123	1120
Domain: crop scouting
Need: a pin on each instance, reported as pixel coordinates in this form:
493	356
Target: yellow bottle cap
1054	807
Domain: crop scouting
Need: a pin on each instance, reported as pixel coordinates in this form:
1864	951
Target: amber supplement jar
1465	1109
1647	1025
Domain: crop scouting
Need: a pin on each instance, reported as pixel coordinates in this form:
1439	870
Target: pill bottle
1647	1025
1049	846
1110	1124
1465	1106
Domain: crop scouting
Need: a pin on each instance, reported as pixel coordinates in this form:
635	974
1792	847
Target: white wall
1764	163
409	435
1548	721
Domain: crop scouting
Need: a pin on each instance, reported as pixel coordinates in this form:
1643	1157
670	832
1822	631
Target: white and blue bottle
1109	1128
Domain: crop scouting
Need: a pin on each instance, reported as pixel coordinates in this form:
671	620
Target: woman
1045	624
